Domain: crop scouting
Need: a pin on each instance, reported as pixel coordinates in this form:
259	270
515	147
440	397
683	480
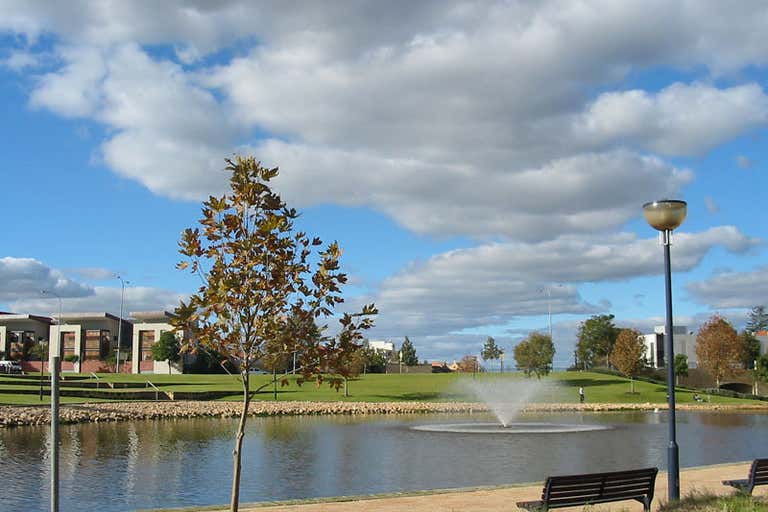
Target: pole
274	382
673	467
55	434
120	324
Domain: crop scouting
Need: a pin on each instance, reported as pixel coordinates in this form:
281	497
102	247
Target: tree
355	365
596	337
468	364
534	354
681	367
628	355
758	320
761	372
491	351
408	352
167	349
749	347
40	351
262	289
717	347
374	362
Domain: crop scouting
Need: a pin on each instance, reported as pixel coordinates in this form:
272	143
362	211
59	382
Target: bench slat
573	490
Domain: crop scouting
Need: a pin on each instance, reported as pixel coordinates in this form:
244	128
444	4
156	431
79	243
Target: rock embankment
13	416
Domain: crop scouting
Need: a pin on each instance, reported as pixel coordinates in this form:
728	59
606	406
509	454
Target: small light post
54	371
665	216
120	321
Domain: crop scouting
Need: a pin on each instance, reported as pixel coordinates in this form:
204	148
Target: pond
175	463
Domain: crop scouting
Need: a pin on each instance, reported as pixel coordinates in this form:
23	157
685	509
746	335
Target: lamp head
665	215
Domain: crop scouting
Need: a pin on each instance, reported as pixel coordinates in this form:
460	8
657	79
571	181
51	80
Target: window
67	344
146	340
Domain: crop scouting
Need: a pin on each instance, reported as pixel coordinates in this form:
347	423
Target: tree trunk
236	453
346	387
169	367
717	382
631	385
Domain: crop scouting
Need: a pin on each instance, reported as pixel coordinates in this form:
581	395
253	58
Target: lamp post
54	371
665	216
120	321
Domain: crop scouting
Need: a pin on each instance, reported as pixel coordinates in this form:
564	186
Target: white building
148	326
19	334
387	348
89	338
684	340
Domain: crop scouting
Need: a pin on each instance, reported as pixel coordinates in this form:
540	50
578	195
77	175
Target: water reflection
174	463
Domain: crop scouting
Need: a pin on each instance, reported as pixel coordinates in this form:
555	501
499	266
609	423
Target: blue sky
467	157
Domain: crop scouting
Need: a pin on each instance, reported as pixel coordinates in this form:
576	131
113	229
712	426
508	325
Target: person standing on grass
581	394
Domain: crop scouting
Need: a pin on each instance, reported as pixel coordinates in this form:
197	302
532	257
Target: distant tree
468	364
762	368
717	347
409	353
749	347
40	351
757	319
628	355
491	351
596	337
534	354
167	348
375	362
263	289
681	367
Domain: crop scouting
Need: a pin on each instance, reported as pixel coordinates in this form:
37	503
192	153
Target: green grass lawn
559	387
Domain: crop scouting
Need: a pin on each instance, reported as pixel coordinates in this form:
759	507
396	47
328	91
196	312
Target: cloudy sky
480	163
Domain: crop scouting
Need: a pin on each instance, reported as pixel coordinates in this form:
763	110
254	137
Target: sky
482	164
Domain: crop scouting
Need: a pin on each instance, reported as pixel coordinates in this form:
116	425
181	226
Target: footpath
706	479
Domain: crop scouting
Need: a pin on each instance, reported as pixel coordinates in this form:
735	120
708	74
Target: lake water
175	463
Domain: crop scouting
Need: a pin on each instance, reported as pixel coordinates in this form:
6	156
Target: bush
72	358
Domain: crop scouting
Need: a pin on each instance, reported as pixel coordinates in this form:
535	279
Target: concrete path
704	479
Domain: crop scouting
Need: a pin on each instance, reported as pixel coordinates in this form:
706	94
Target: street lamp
665	216
120	321
54	371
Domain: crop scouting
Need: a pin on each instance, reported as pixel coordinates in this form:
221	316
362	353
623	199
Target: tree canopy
491	350
264	285
408	352
757	319
534	354
167	348
628	354
749	349
596	337
681	367
717	347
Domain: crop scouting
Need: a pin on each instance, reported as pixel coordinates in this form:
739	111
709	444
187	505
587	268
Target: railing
157	390
98	379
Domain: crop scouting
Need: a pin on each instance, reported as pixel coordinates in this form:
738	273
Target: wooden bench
758	475
577	490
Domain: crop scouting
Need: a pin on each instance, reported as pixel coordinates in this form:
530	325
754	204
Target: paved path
706	478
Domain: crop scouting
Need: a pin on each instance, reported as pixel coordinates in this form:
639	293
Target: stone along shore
13	416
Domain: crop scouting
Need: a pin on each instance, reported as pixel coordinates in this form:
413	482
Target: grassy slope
384	388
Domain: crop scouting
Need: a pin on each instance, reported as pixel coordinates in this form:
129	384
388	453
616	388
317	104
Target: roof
91	316
11	317
152	315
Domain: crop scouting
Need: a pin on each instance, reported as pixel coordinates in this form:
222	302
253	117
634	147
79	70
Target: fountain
506	398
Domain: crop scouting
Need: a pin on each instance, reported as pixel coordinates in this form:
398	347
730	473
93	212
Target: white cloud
22	278
105	299
453	119
680	120
732	289
492	284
